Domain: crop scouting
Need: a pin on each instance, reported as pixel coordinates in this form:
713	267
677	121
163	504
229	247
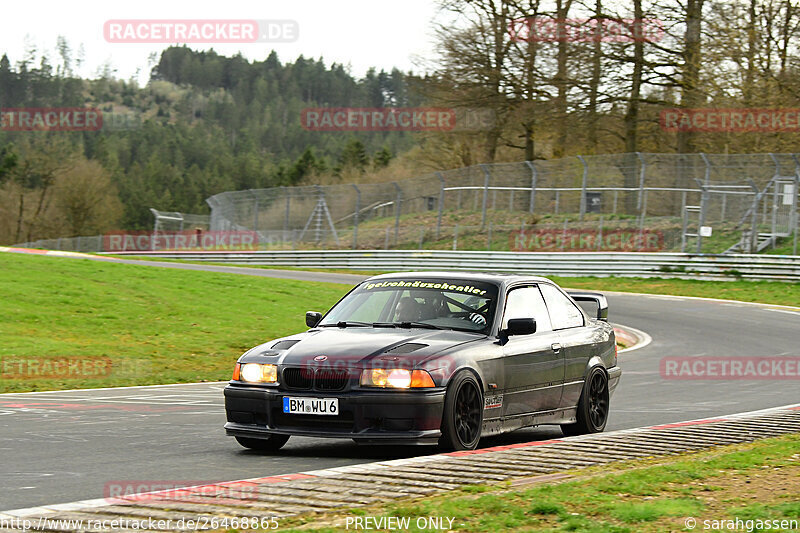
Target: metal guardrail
674	265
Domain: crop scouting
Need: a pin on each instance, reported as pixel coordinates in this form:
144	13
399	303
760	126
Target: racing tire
592	413
273	443
462	418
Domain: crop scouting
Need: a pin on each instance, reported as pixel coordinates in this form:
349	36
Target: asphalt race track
66	446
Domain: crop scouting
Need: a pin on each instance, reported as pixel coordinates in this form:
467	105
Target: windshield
424	303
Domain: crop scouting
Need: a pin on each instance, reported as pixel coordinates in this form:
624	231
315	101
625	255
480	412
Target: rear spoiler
595	297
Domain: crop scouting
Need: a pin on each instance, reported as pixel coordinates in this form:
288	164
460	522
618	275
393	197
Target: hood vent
283	345
407	348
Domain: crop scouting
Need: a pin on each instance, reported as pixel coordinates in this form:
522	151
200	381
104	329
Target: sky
359	33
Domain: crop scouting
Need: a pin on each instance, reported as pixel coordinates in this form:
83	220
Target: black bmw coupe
431	358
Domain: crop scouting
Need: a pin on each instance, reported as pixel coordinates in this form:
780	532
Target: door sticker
493	402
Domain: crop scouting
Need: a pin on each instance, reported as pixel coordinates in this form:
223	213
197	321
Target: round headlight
399	378
251	372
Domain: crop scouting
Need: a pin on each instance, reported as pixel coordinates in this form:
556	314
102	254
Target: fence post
355	216
489	238
398	199
775	200
421	236
255	210
795	192
641	219
600	234
485	194
288	208
583	186
534	176
685	222
703	203
564	234
774	213
441	204
455	237
753	239
641	179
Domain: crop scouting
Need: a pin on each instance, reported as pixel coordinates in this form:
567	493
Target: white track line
113	388
718	300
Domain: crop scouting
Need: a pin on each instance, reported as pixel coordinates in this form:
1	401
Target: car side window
527	302
563	313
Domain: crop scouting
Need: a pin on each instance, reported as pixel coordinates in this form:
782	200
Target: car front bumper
375	417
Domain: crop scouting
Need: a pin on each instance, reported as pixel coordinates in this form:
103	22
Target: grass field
753	481
771	292
158	325
155	325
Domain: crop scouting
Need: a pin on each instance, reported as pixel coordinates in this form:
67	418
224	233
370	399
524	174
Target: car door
533	364
575	337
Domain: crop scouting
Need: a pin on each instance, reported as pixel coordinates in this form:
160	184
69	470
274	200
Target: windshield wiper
346	324
417	325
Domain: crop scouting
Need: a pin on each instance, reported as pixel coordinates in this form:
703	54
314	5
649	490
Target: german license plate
310	406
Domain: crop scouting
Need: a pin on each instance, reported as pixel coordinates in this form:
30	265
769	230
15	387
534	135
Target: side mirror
520	326
595	298
313	318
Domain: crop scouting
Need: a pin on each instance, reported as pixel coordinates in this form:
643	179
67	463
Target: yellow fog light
257	373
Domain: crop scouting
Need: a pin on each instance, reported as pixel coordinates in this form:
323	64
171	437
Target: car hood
359	346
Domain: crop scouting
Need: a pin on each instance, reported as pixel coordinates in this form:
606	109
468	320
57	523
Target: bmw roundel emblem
321	358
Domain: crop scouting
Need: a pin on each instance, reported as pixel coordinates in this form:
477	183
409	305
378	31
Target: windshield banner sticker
467	289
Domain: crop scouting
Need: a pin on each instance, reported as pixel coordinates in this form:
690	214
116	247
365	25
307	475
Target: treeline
203	125
559	77
594	76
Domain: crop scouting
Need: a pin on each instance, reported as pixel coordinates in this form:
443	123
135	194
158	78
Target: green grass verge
168	326
753	481
156	325
784	246
778	293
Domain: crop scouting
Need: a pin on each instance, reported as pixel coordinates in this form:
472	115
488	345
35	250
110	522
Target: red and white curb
633	338
382	467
